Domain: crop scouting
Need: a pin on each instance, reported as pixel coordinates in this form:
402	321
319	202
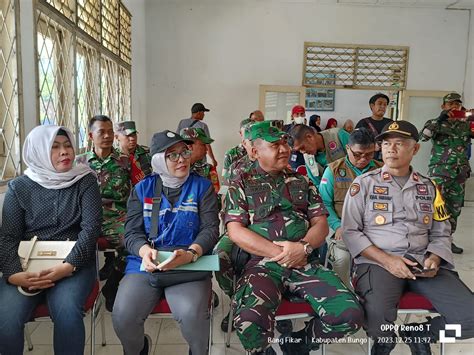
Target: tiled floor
167	339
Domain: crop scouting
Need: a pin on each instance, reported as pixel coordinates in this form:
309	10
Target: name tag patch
425	207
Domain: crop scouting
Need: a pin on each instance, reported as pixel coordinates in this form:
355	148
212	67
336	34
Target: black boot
455	249
382	348
108	267
267	351
297	343
284	327
413	333
146	345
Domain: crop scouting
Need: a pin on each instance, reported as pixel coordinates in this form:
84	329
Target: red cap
298	109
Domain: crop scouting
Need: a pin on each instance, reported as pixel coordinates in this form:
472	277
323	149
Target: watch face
308	249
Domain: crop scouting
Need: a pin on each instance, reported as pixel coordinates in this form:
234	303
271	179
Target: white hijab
158	163
37	156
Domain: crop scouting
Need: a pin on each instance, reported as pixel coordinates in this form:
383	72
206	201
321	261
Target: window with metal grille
354	66
10	128
82	70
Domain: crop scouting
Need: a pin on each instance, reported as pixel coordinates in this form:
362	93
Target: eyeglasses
357	156
174	157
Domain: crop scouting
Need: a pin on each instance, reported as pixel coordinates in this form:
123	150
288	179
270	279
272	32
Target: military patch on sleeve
342	172
381	190
354	190
440	210
379	206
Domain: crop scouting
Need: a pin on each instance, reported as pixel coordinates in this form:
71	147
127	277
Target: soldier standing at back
449	166
140	161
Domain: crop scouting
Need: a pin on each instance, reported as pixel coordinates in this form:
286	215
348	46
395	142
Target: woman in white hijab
55	200
185	223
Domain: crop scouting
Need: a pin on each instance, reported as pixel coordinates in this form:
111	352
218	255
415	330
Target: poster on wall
319	99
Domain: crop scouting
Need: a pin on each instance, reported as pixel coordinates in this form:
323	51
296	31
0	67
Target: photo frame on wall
320	99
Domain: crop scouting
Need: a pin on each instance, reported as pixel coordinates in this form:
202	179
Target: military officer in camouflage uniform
139	155
278	217
449	166
335	183
113	176
396	227
236	153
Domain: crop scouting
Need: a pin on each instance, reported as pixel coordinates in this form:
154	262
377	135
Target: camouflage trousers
259	293
113	227
452	190
225	274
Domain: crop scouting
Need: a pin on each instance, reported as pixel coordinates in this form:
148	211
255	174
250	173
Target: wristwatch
195	254
308	249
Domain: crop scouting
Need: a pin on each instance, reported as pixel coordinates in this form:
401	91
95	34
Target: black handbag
160	279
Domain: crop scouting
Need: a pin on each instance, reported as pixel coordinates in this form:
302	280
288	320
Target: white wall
469	84
218	52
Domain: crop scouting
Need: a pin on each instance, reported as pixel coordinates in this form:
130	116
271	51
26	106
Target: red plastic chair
93	303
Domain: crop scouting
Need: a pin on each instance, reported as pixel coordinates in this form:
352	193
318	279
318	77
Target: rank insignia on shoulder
354	190
385	176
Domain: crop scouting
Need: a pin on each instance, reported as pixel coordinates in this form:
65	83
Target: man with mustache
396	227
113	176
277	216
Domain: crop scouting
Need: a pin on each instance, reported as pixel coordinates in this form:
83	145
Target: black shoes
297	343
146	345
418	340
284	326
267	351
225	324
455	249
382	348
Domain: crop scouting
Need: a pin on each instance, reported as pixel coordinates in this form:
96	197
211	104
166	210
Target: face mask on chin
299	120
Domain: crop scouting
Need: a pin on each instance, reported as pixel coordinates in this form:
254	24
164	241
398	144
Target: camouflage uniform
113	176
449	166
279	208
232	156
201	167
140	163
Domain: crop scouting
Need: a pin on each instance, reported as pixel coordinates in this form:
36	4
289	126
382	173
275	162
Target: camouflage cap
195	133
265	130
452	96
245	122
126	127
402	129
